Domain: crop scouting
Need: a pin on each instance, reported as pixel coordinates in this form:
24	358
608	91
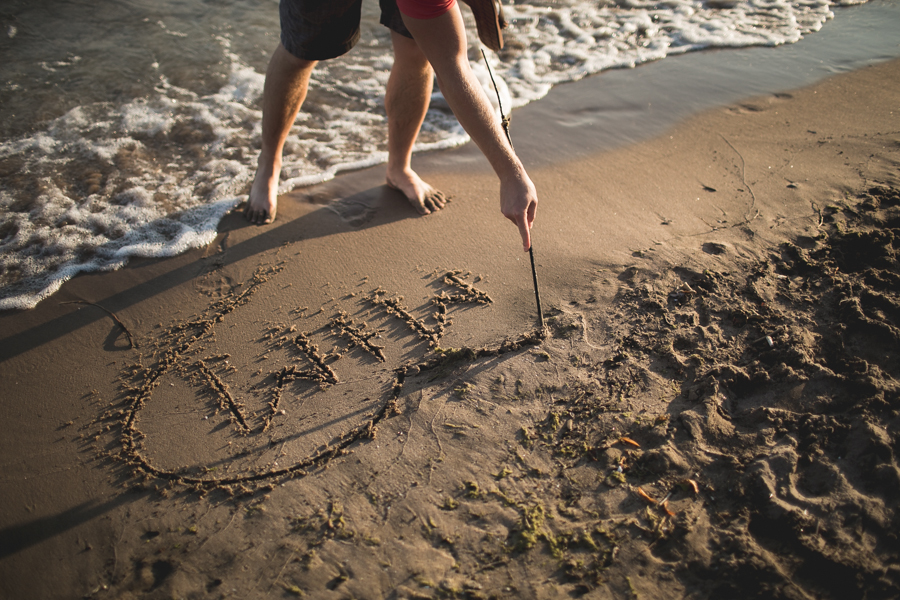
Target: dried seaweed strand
131	343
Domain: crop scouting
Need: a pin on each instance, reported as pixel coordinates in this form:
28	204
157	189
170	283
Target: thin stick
505	123
747	217
131	341
537	296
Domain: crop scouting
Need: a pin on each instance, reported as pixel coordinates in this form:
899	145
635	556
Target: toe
258	217
434	200
422	205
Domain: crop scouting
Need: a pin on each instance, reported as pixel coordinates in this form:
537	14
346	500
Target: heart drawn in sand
245	420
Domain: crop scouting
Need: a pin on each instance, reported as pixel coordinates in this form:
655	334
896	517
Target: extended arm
443	41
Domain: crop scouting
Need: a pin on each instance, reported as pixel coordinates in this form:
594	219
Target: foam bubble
153	176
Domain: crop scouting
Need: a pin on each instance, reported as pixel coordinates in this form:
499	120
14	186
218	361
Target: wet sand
354	401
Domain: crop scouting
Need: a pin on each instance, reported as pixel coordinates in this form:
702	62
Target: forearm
443	42
475	113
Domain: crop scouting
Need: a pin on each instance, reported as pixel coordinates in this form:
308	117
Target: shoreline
621	107
479	484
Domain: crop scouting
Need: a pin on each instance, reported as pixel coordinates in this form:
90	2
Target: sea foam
153	175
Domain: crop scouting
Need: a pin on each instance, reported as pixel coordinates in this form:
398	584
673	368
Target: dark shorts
323	29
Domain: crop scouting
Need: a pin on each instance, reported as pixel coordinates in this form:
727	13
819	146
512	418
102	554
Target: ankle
398	169
268	171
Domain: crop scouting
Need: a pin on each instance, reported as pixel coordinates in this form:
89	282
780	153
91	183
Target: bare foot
263	202
422	196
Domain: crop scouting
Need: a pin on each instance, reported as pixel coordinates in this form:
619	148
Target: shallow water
130	128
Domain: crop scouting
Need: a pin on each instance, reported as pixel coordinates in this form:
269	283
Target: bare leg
406	102
287	79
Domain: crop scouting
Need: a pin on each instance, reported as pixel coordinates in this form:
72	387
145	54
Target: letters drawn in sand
307	406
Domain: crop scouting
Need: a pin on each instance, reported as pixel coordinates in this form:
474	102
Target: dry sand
353	402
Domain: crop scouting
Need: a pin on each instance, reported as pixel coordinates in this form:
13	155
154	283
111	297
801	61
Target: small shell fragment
645	496
690	484
629	441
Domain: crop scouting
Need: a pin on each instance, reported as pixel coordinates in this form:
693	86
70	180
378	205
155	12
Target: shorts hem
319	53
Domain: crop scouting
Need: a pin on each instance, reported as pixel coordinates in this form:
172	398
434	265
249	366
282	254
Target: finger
525	232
